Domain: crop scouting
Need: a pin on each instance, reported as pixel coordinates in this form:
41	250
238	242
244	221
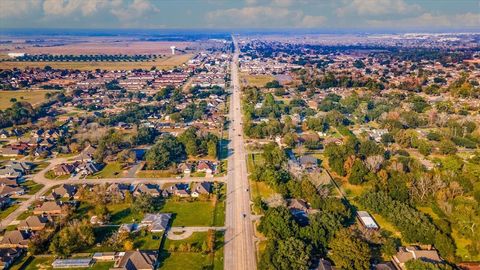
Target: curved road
239	236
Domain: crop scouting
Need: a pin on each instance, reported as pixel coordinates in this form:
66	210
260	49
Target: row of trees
87	58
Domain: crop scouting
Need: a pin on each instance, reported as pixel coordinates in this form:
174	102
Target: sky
245	14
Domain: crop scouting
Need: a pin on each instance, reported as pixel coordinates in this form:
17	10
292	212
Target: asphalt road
239	236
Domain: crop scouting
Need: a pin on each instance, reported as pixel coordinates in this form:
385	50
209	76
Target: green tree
166	151
212	149
349	252
358	173
287	254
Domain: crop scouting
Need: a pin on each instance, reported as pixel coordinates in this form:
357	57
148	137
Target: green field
122	213
34	97
111	170
32	187
194	213
192	260
256	80
4	213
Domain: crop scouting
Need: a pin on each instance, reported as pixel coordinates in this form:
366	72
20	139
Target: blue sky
249	14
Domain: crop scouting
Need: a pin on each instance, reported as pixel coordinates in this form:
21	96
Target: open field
162	63
111	170
35	97
93	45
194	213
192	260
255	80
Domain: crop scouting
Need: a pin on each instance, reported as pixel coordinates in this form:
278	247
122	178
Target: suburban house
179	189
87	168
9	151
205	166
53	208
185	168
156	222
127	227
87	154
406	254
7	190
15	239
64	191
136	260
4	202
33	223
63	169
8	256
201	188
24	167
150	189
118	190
297	207
308	162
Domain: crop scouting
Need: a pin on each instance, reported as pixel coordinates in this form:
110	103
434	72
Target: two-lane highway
239	237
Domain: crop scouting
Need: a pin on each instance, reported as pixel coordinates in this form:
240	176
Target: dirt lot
162	63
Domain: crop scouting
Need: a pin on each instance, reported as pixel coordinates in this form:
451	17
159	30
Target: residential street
49	183
239	237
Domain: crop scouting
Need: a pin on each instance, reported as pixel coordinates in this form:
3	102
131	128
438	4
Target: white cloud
469	19
136	9
249	16
69	7
283	3
263	16
377	8
15	8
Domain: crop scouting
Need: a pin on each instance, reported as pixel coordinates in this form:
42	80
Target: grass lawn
51	175
111	170
32	187
198	174
261	189
254	159
256	80
192	260
182	261
196	213
24	215
4	213
155	174
218	256
34	97
40	263
219	214
122	213
151	241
